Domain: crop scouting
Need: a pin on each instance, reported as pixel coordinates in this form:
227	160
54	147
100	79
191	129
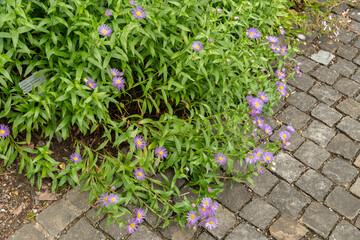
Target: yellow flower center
262	97
139	174
220	158
139	215
211	222
203	209
104	31
266	131
114	73
2	132
75	158
259	122
161	153
297	72
138	13
256	104
90	84
283	50
206	203
106	199
113	199
250	156
284	136
280	74
197	47
258	154
118	81
267	158
192	216
132	225
281	87
138	143
251	33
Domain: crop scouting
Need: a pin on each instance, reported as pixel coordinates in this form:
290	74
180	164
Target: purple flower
214	206
254	134
301	36
262	95
280	74
211	223
273	39
297	72
132	2
250	99
259	121
105	30
258	152
118	82
105	199
251	158
140	215
112	188
268	157
202	211
138	12
114	198
90	83
218	10
139	142
267	129
283	50
210	40
197	46
192	218
275	48
284	135
282	31
258	104
220	158
210	189
187	169
281	86
75	157
4	131
114	72
108	13
253	33
161	152
206	202
139	174
157	163
290	128
133	225
236	17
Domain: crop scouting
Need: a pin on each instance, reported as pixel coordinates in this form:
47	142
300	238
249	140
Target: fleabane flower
131	2
297	72
258	152
139	142
253	33
192	218
301	36
161	152
197	46
251	158
211	223
206	202
138	12
108	13
290	128
105	30
4	131
267	129
139	174
220	158
118	82
275	48
281	75
259	121
202	211
268	157
282	31
258	104
75	157
254	134
105	199
90	83
281	86
133	225
114	198
283	50
139	215
263	97
210	189
284	135
273	39
219	10
114	72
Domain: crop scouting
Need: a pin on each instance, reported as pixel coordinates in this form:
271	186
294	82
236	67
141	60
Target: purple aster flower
206	202
280	74
268	157
118	82
114	198
114	72
254	134
258	104
253	33
112	188
90	83
105	199
132	2
138	12
4	131
262	95
218	10
297	72
211	223
283	50
250	100
258	152
139	174
254	112
283	93
75	157
133	225
259	121
301	36
236	17
202	211
192	218
105	30
282	31
267	129
275	48
284	135
273	39
197	46
281	86
157	163
139	142
210	189
251	158
161	152
108	13
140	215
214	206
220	158
290	128
187	169
210	40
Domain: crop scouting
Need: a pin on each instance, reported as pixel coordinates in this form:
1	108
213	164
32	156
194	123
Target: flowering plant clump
185	110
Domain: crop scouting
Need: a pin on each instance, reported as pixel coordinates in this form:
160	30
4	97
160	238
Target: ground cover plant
159	85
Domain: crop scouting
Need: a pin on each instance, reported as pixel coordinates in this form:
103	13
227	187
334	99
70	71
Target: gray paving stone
262	183
226	220
314	184
340	8
245	231
174	231
350	127
287	228
259	213
301	100
350	107
347	51
306	64
311	154
319	133
355	188
323	57
357	224
306	49
91	214
340	171
357	60
319	218
347	86
205	236
355	14
294	117
328	44
296	139
114	230
325	75
144	233
278	107
304	82
357	161
82	230
287	199
235	196
356	76
343	145
56	217
355	26
326	114
357	43
269	120
287	167
325	94
186	192
346	36
344	67
343	202
28	232
345	231
79	199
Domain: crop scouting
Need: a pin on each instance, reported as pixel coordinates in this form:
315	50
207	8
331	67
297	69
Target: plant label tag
27	84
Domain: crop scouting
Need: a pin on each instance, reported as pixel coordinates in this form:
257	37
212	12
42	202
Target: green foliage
192	103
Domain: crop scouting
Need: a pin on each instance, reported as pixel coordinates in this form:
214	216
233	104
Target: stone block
351	127
245	231
301	100
343	145
357	161
328	44
287	228
350	107
114	230
323	57
262	183
288	167
226	220
91	214
294	117
259	213
347	87
347	51
357	60
355	26
344	67
357	43
79	199
340	171
325	75
314	184
303	83
356	76
312	155
234	196
144	233
346	36
319	218
287	199
82	230
205	236
28	232
338	9
296	139
306	64
355	188
319	133
343	202
325	94
326	114
345	231
278	107
174	231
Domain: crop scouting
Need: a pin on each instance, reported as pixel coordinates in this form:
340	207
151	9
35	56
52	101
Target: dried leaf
48	196
62	165
17	210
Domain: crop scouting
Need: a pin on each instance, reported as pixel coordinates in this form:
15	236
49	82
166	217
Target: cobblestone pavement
314	192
